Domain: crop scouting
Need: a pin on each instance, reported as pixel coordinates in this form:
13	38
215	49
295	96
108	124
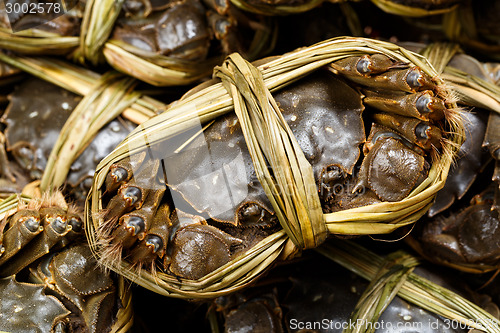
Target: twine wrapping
412	288
109	98
125	314
261	119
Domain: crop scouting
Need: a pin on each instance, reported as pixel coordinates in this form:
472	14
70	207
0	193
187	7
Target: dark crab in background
35	115
190	30
190	220
291	299
49	279
463	227
53	20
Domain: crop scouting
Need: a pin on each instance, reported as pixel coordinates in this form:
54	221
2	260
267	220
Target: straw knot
98	22
280	164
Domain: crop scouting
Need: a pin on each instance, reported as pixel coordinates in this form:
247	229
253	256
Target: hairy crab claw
34	231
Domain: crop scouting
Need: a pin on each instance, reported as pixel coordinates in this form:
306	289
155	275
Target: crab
49	279
260	312
64	292
36	229
184	29
291	299
188	209
466	236
462	229
54	19
34	117
330	295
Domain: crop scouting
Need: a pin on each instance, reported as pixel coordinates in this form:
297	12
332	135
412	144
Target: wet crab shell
329	129
65	292
45	260
465	237
34	117
190	30
63	21
330	297
461	230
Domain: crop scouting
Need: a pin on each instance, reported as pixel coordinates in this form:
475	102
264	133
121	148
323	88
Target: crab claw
128	197
122	172
199	250
25	225
128	228
148	250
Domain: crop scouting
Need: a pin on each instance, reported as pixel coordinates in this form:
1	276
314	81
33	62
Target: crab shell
467	238
66	292
35	116
324	114
205	177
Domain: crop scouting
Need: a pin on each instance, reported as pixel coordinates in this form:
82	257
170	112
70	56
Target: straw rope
106	101
125	314
413	288
292	190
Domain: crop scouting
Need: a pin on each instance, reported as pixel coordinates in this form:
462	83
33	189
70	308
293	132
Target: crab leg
154	244
366	65
199	249
25	225
414	130
132	194
422	105
492	142
121	173
390	168
55	225
135	225
410	80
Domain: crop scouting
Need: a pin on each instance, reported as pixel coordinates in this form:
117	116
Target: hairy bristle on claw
104	230
111	254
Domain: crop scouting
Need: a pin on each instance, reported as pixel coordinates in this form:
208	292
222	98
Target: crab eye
421	130
135	223
59	224
119	174
423	104
414	79
31	223
76	224
332	173
132	194
251	210
363	65
155	242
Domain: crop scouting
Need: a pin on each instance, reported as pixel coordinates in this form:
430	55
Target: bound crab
56	21
33	120
65	292
34	230
463	226
184	29
192	203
